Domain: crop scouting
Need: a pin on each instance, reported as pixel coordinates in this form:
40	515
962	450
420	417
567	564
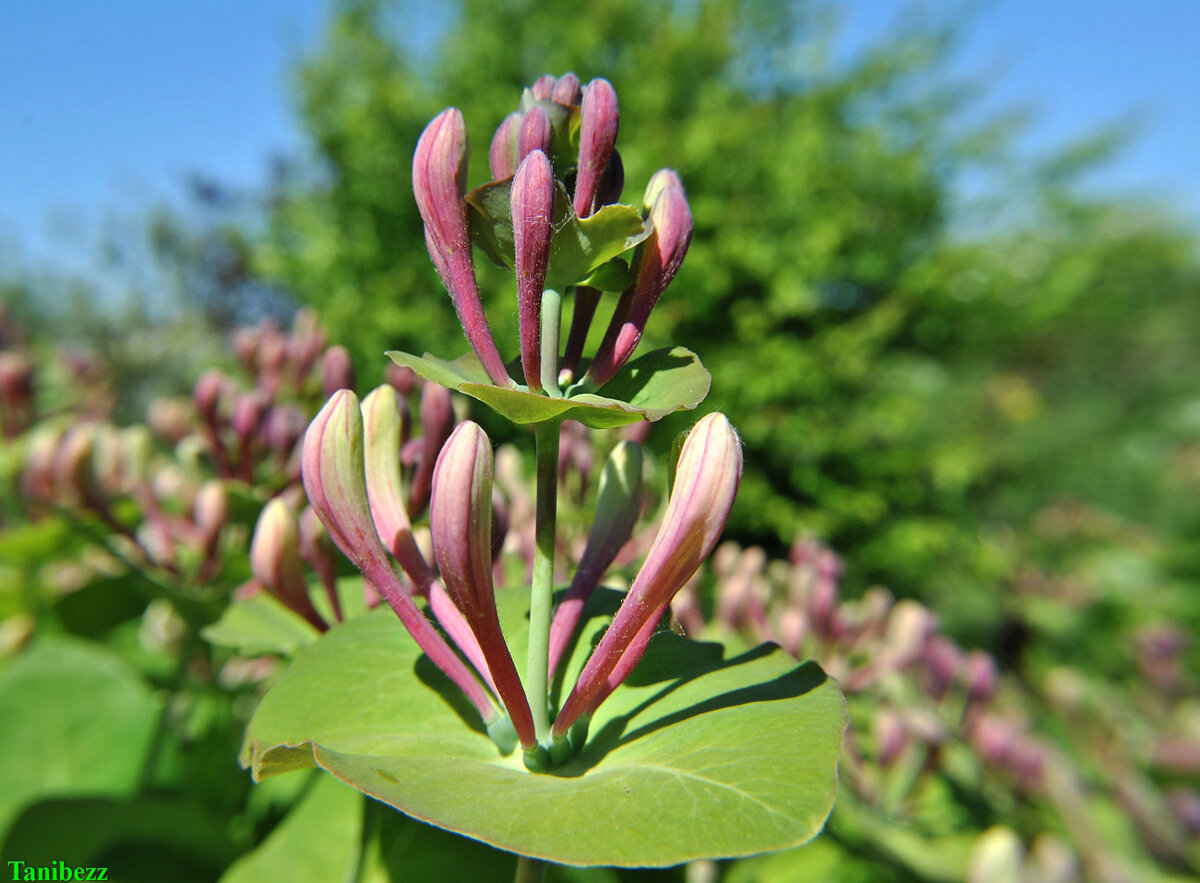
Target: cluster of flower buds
352	457
91	466
253	435
554	163
926	696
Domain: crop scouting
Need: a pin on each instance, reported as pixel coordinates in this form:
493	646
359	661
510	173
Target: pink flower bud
335	480
403	379
891	734
207	395
533	228
536	133
543	87
567	90
612	182
706	482
460	517
437	422
981	676
383	423
659	260
275	560
282	428
439	184
942	659
248	410
317	551
211	509
337	370
599	119
74	474
502	157
171	419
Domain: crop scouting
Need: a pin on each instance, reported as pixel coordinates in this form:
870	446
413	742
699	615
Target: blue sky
106	106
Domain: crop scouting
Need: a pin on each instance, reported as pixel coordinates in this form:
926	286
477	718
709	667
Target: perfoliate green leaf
648	388
697	755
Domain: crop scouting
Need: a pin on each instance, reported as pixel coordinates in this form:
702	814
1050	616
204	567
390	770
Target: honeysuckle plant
582	731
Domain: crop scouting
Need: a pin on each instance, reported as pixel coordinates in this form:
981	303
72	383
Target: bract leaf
697	755
648	388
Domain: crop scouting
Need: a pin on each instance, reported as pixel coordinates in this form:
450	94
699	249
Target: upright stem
537	676
551	327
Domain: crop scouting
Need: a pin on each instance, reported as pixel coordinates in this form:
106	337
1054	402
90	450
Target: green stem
541	597
530	870
551	327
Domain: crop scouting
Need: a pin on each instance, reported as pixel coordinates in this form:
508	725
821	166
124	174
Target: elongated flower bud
659	261
533	228
502	157
612	182
706	482
543	87
211	510
337	370
317	551
567	90
439	184
207	395
598	123
382	431
460	517
437	422
275	560
536	133
334	478
617	504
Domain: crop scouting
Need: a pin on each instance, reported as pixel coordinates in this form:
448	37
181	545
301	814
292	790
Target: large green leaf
648	388
261	624
321	839
74	720
149	838
696	756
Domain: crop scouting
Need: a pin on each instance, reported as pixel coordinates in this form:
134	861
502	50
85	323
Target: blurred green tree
912	382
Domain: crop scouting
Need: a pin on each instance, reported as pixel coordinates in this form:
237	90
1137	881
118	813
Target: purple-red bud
659	260
275	560
612	182
460	517
533	228
502	157
207	395
567	90
439	184
536	133
437	422
599	119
